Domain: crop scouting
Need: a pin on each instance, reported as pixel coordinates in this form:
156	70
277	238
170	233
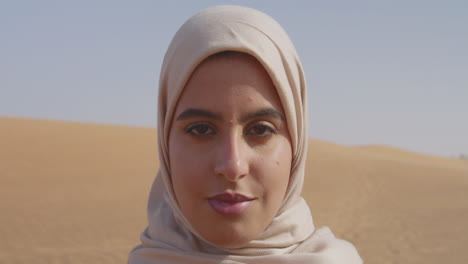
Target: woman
232	145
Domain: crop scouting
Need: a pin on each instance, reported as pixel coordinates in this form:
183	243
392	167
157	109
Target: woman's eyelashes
261	130
258	130
199	130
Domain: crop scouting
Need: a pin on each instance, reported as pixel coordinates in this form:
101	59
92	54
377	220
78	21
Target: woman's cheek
276	166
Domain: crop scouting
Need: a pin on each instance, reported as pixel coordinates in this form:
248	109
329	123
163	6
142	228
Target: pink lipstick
230	203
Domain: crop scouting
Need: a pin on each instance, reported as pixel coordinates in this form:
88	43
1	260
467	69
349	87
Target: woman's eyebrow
262	113
195	112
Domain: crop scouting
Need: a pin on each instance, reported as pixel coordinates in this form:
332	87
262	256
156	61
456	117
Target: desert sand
76	193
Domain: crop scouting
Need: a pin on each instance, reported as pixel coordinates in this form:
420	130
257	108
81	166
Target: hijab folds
291	237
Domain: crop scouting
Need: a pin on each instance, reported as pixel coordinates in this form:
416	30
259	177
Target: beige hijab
291	236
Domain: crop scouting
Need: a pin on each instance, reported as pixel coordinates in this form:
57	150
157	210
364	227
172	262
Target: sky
378	72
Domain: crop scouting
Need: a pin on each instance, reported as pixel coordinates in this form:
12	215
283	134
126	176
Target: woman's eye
261	131
200	130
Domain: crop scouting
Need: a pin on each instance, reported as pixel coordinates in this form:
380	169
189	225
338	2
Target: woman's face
229	150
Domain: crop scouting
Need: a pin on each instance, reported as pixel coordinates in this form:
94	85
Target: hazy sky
378	72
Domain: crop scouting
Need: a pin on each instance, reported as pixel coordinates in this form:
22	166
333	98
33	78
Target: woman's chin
230	243
229	238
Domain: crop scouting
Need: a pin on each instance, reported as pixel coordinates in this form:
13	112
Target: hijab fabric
291	237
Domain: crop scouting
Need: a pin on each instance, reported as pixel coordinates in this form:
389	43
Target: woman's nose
231	160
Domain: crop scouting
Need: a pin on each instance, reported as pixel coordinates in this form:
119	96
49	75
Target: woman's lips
230	203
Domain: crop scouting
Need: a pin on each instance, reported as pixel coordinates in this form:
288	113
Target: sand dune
76	193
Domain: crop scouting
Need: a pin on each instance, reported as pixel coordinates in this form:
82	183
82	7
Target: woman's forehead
229	70
230	78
